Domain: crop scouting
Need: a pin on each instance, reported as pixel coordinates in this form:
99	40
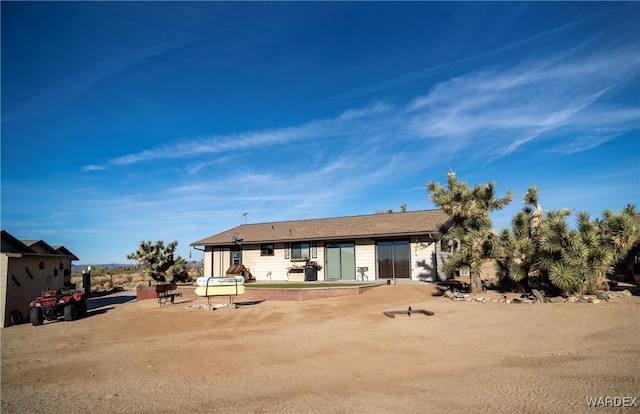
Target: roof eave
349	237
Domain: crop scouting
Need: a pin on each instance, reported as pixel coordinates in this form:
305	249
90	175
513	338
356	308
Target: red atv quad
53	304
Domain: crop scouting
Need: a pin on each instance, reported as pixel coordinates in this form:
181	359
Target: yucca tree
469	209
559	253
579	260
159	261
519	245
609	240
595	257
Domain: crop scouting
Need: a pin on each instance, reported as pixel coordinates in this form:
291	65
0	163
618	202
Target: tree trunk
476	283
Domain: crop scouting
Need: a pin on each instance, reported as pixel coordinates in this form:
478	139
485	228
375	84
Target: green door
340	261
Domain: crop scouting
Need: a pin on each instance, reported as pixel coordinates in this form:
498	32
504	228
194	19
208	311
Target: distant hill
81	267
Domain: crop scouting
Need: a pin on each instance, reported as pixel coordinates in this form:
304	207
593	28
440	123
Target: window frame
302	248
267	249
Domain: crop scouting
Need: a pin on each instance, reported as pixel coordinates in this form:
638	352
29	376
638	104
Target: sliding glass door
394	259
340	262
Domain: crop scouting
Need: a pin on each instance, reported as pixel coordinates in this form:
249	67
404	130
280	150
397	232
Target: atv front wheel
36	316
70	312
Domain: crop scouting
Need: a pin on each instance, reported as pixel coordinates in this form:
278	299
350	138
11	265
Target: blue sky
129	121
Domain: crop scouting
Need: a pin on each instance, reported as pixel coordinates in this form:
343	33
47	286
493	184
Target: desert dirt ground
338	355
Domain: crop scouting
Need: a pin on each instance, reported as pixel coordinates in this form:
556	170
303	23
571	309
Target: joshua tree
606	242
560	251
158	261
580	260
469	209
542	247
518	258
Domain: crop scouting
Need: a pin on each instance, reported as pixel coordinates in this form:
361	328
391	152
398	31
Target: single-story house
26	268
383	246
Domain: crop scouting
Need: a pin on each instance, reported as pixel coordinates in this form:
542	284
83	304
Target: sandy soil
339	355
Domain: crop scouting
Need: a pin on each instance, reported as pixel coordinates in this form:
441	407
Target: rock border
538	297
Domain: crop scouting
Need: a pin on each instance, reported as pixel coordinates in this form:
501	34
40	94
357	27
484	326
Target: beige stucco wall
207	257
260	266
277	264
263	268
422	259
366	257
29	281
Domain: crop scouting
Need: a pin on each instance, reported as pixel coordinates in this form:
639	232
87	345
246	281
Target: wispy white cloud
554	120
505	107
566	102
587	141
93	167
351	122
411	77
83	190
515	106
195	167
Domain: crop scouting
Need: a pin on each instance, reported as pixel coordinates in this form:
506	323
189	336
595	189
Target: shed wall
24	280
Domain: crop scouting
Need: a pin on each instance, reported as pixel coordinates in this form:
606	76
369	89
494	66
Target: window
236	256
266	249
448	245
299	250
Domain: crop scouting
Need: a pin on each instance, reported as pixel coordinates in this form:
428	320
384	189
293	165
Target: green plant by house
579	260
469	209
517	261
543	247
159	261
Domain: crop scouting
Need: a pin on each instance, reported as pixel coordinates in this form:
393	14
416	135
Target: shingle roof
373	225
39	246
63	250
32	247
12	245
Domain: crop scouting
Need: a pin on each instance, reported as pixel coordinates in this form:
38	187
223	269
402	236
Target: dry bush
105	281
77	279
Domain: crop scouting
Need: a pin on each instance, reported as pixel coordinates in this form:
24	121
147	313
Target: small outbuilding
26	268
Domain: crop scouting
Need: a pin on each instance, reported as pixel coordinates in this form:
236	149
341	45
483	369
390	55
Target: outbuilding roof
407	223
33	247
39	246
12	245
63	250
